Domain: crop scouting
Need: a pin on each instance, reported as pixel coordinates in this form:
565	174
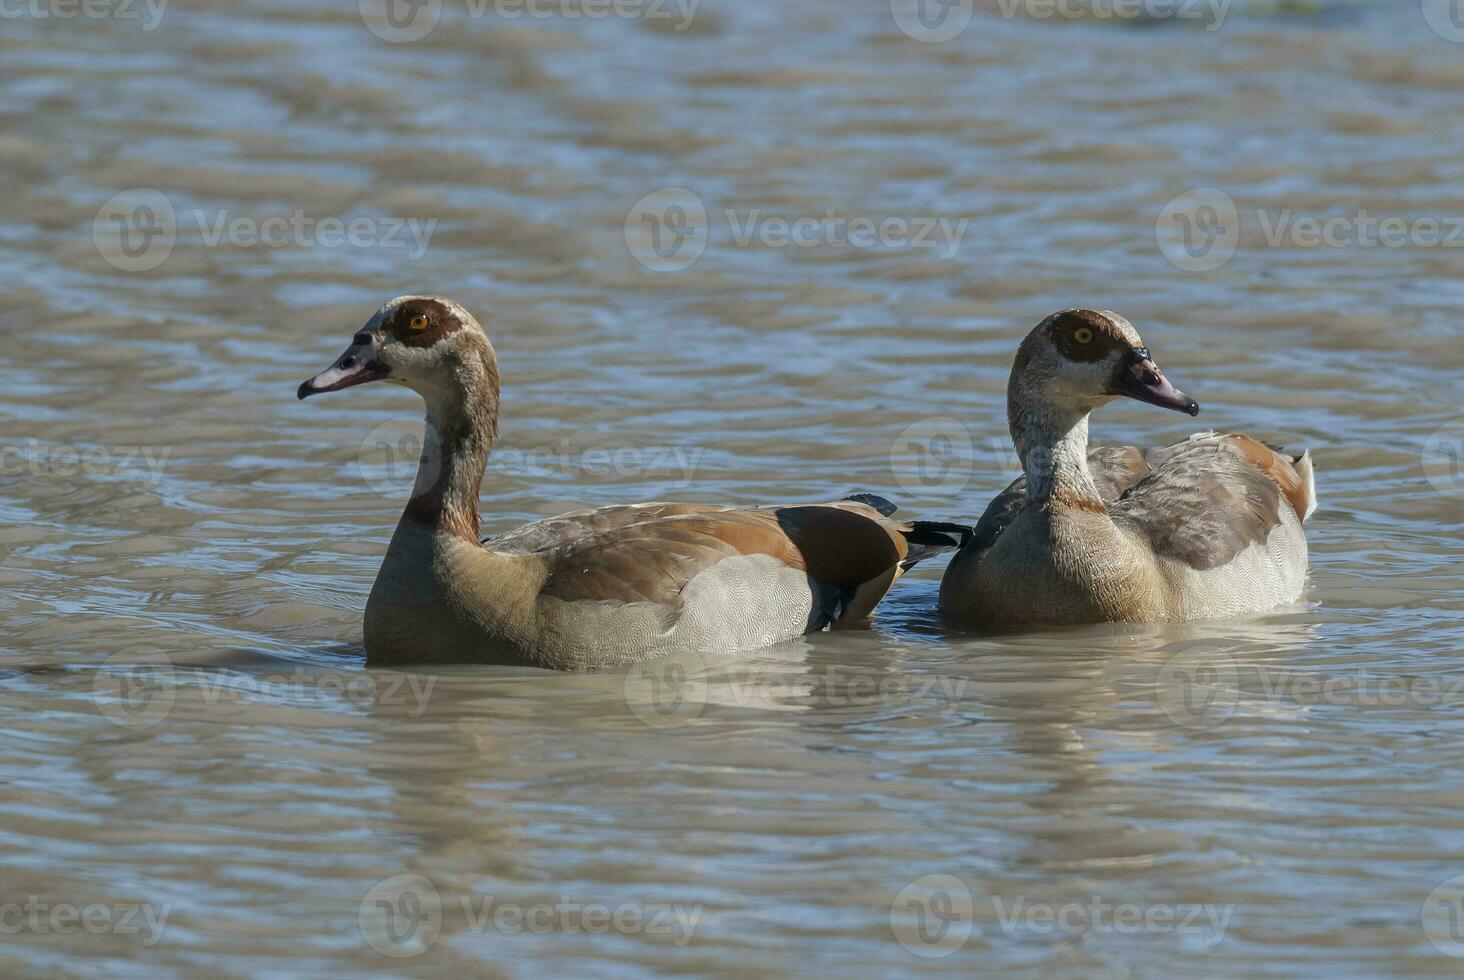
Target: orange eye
1083	335
420	322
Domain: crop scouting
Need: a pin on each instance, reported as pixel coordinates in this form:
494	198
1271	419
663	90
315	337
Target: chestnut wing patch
1277	465
652	561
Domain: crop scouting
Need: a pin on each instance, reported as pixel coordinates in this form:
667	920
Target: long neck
462	421
1053	445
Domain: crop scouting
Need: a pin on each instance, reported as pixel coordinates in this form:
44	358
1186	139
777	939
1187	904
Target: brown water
195	759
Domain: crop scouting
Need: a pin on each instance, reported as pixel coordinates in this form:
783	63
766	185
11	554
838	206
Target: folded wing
1212	496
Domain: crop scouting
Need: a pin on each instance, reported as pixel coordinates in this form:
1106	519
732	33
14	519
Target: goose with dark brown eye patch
1084	337
1204	528
599	587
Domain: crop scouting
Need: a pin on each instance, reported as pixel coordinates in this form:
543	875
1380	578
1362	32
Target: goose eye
420	322
1083	335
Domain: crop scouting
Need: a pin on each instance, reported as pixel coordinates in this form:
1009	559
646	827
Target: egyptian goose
1206	528
601	587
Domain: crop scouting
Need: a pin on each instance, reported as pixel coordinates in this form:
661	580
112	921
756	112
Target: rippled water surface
188	728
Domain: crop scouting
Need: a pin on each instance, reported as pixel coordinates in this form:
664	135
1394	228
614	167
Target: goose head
426	343
1076	360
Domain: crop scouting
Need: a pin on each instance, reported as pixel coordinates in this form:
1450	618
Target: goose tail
923	539
926	539
1303	466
